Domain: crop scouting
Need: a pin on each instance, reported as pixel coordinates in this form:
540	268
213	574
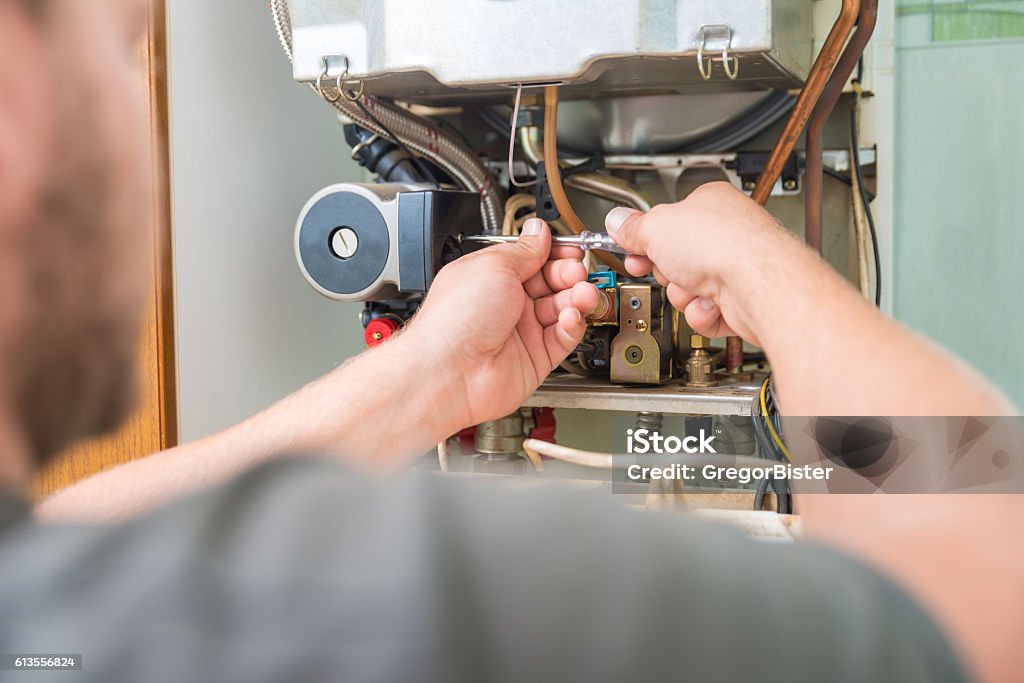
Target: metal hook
358	94
730	63
338	82
706	75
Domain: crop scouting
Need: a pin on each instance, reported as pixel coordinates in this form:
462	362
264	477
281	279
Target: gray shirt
299	571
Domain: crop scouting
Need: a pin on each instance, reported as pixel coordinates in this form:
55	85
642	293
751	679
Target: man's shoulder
345	571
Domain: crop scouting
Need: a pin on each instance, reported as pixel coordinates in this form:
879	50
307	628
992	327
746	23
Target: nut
699	341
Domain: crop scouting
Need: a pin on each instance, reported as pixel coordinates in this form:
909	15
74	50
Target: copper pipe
551	168
554	176
813	177
817	80
823	67
733	354
608	187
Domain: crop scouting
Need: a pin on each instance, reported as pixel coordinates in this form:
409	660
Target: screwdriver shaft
585	241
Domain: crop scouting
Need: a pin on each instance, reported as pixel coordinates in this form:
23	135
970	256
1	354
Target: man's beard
75	359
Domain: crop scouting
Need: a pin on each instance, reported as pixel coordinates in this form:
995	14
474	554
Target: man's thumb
626	228
532	248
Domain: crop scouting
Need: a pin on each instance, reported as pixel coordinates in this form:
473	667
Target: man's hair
35	8
77	343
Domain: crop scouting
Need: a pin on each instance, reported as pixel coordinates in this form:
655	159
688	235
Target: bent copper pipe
817	79
814	177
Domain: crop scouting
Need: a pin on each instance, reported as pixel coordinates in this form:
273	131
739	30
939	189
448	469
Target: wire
768	449
420	166
844	179
855	163
736	132
783	497
512	142
513	205
771	427
495	121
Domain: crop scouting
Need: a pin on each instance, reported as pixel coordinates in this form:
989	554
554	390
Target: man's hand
697	247
499	320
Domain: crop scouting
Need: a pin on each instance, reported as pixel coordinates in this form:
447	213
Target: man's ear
26	117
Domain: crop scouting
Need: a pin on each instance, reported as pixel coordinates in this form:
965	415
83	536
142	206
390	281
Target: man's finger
561	252
582	297
638	266
626	226
562	337
706	318
678	297
555	276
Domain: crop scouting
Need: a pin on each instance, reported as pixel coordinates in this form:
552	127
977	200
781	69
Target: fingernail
706	304
616	217
533	226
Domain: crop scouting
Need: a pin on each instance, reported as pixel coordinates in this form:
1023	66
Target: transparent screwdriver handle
588	240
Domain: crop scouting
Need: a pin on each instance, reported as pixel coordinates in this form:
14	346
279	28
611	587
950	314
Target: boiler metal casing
458	50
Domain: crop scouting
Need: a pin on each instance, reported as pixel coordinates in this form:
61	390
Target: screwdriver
586	241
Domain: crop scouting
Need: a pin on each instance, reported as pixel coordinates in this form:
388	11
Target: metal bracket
730	62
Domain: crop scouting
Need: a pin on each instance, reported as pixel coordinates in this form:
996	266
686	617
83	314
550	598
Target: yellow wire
767	420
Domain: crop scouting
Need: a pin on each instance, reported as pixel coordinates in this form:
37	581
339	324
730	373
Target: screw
634	354
344	243
789	184
377	336
641	325
749	185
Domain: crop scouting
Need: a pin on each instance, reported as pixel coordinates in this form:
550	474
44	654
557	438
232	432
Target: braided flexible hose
419	134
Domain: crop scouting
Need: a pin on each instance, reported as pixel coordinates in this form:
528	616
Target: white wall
248	147
959	243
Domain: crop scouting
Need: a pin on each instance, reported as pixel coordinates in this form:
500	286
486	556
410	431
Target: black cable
843	178
420	166
727	136
734	133
762	491
494	121
855	163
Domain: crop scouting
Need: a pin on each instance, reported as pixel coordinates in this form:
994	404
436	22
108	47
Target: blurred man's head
74	212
